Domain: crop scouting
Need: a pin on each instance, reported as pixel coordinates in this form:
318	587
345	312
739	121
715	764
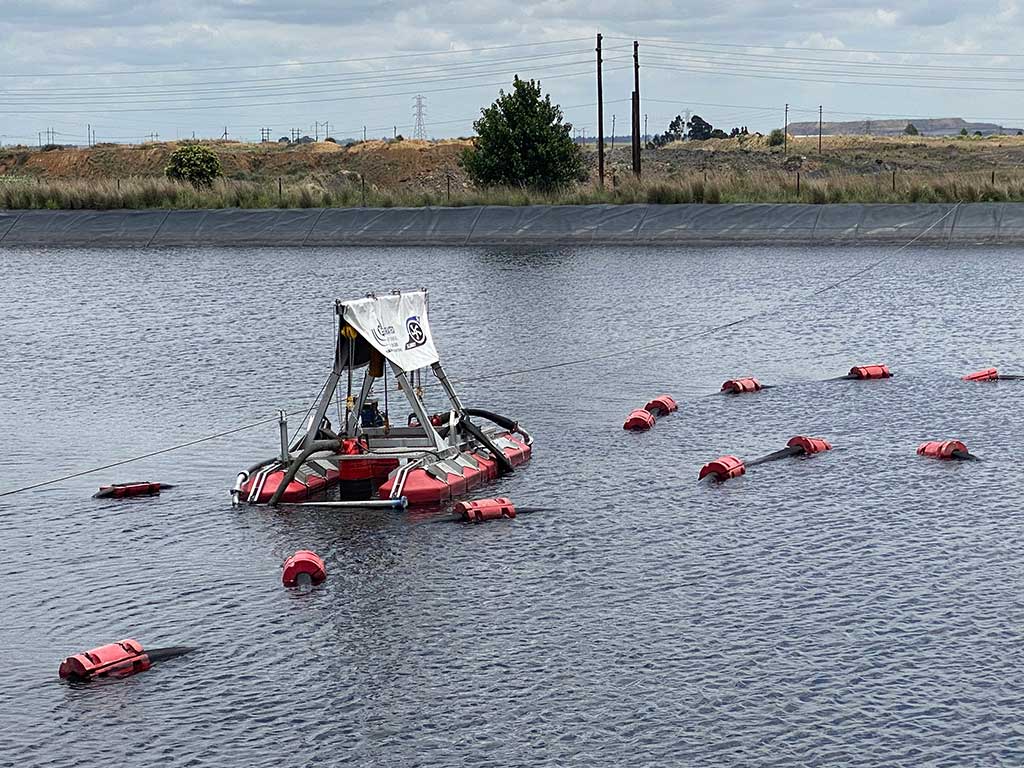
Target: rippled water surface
861	607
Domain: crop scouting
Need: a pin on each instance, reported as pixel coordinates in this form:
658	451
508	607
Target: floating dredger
426	459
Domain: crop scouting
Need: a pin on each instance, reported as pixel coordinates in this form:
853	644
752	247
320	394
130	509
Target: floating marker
485	509
809	445
639	420
869	372
303	562
945	449
119	659
124	490
988	374
662	405
723	468
739	386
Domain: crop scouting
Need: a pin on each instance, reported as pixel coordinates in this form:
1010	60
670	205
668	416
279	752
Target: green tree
911	130
776	138
963	132
676	131
194	163
521	141
698	129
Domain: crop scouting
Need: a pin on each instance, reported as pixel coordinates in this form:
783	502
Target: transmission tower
419	110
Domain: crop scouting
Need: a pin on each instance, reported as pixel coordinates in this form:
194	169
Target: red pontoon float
428	460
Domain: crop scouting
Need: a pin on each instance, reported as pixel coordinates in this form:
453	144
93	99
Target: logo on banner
383	333
417	336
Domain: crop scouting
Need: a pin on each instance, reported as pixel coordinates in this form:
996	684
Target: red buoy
485	509
810	445
736	386
124	490
303	562
639	420
988	374
116	660
661	405
723	468
943	449
870	372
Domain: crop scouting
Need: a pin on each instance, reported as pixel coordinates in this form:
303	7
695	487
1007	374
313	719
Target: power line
158	99
759	74
989	54
827	70
358	60
79	111
266	83
958	67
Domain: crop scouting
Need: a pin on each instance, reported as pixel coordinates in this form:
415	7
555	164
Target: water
861	607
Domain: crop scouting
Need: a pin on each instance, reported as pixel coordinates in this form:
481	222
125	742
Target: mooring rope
535	369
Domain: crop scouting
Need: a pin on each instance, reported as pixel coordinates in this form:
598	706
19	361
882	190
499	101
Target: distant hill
942	126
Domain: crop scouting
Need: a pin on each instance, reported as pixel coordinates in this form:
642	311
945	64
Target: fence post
893	179
448	181
993	177
798	183
362	183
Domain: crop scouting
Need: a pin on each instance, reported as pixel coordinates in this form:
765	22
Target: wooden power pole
600	117
636	108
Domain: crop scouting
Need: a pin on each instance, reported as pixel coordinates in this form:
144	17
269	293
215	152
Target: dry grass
720	187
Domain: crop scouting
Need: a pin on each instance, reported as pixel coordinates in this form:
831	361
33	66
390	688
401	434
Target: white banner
396	325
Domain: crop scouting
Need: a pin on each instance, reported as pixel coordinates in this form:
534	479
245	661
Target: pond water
860	607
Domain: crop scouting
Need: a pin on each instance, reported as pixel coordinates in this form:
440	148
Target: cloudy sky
131	69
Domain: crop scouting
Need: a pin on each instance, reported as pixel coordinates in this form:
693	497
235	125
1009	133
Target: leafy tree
194	163
776	138
698	129
521	141
676	132
963	132
718	133
911	130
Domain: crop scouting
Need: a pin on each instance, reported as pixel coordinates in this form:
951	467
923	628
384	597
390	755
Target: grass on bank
720	187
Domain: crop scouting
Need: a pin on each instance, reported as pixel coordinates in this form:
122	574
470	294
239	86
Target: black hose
162	654
317	445
504	462
785	453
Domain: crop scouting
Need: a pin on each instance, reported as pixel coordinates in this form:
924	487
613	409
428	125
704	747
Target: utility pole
225	136
785	133
88	134
396	131
600	118
636	108
645	129
364	133
327	129
612	151
819	129
316	130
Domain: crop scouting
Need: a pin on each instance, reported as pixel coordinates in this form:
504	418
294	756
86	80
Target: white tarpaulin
396	325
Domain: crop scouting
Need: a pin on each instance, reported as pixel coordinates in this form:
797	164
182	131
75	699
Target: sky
132	70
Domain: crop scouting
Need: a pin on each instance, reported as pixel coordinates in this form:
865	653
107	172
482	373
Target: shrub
776	138
522	142
194	163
